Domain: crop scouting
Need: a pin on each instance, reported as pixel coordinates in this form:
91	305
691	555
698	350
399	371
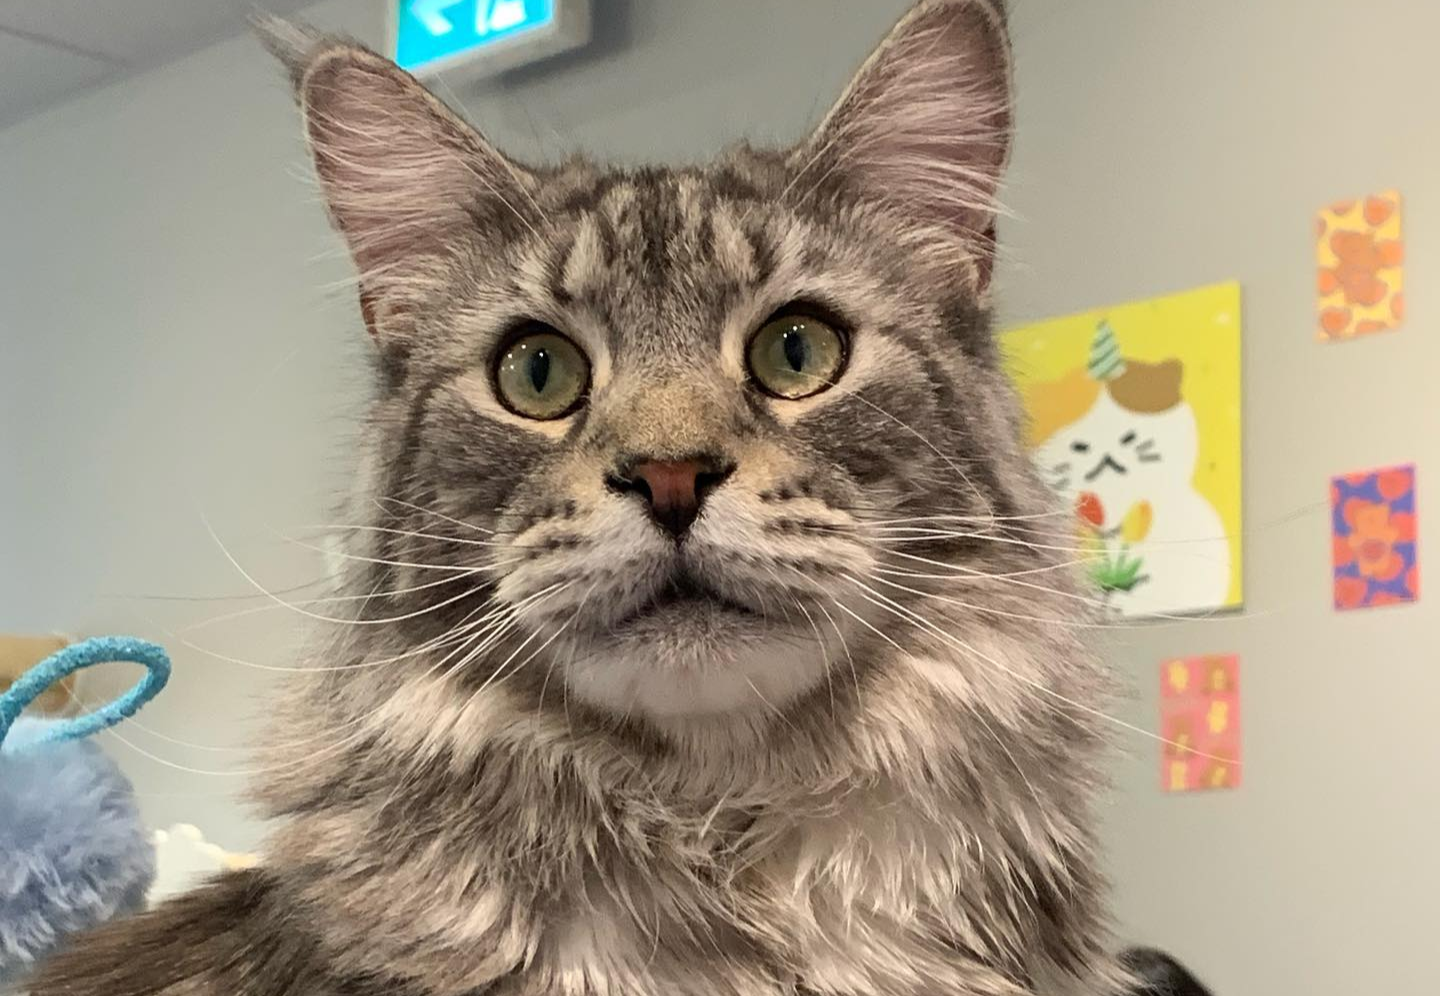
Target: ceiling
54	49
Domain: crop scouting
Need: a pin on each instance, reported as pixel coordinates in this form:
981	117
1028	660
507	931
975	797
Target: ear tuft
293	44
925	126
406	179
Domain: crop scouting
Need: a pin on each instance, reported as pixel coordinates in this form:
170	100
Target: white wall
169	354
1165	145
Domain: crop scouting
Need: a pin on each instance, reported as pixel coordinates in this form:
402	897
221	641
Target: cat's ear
925	126
402	174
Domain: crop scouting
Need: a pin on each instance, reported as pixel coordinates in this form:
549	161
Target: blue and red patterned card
1375	552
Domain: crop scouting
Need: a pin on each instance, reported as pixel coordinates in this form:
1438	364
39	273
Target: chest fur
870	895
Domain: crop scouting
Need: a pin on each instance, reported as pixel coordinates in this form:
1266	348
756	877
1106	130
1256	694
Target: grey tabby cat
714	640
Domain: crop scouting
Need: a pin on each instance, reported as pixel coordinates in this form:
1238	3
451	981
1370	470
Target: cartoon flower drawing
1137	522
1115	568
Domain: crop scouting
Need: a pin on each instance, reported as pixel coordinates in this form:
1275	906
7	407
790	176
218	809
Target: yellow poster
1135	419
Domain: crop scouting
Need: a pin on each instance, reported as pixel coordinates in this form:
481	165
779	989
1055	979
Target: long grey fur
861	762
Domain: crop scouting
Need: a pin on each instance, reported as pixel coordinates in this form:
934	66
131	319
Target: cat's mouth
686	596
685	590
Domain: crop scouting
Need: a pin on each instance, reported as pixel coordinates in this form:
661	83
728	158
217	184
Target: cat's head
652	433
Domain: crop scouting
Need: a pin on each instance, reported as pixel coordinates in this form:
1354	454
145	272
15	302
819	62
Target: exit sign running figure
480	37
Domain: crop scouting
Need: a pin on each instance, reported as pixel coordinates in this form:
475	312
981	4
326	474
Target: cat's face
671	422
684	528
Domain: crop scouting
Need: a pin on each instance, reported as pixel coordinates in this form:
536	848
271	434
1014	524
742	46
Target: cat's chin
695	657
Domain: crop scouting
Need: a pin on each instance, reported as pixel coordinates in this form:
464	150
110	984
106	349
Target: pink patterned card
1200	721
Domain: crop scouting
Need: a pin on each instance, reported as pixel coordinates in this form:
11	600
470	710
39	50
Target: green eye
795	355
542	375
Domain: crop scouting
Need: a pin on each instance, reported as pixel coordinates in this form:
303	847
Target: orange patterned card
1361	255
1200	721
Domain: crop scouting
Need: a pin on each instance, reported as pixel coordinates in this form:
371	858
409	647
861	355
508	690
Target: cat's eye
795	355
541	374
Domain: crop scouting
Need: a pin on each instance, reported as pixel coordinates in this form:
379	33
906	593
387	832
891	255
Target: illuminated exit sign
480	37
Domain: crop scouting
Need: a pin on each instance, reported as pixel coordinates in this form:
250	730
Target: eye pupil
540	370
794	356
542	374
796	349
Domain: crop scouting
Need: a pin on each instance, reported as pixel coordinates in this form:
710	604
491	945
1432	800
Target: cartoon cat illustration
1119	439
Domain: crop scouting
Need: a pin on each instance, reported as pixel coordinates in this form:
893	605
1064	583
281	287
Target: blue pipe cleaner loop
76	657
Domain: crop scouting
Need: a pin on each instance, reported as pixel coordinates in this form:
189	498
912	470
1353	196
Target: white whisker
875	598
271	769
328	599
430	511
338	528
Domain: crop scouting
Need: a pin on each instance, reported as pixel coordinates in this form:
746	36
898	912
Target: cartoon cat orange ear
1055	404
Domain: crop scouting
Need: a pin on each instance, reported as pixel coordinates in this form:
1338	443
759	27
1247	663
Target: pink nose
674	490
